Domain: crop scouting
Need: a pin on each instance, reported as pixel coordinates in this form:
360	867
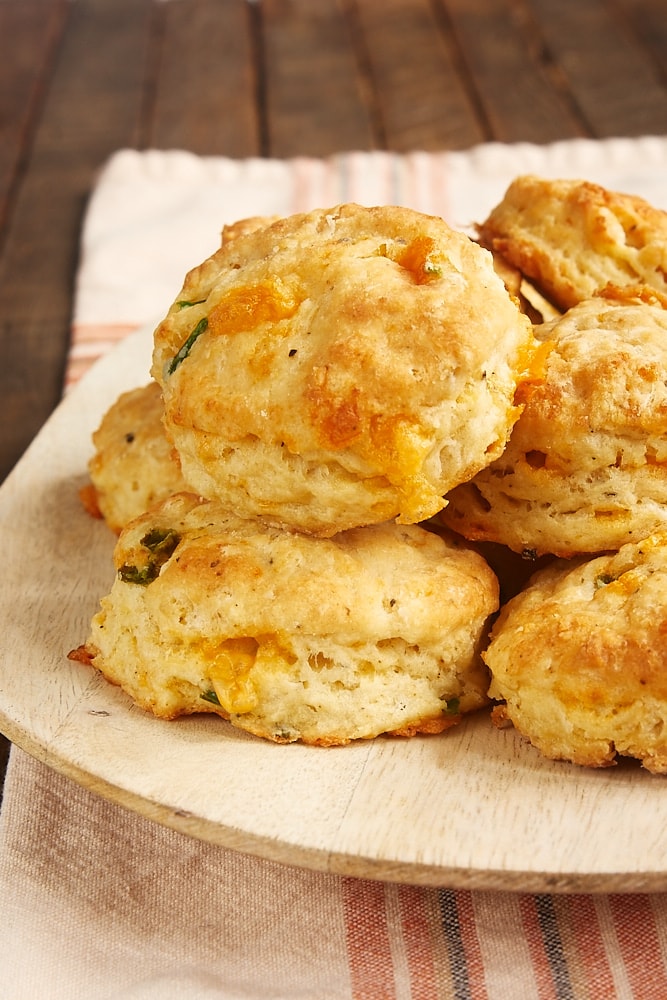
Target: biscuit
572	238
292	637
243	227
578	659
585	469
134	464
529	302
341	368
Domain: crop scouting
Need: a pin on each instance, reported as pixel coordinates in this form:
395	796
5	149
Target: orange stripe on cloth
90	342
659	907
368	946
470	941
417	924
583	942
639	945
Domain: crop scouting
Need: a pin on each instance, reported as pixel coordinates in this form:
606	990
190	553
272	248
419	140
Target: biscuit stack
579	658
323	381
351	406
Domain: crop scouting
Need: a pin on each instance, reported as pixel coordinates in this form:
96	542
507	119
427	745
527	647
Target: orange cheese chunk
418	260
243	309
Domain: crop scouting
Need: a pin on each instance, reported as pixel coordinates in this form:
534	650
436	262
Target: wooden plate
474	807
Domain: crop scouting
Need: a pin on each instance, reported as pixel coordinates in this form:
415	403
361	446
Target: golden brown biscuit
585	469
243	227
134	464
579	658
293	637
341	368
572	238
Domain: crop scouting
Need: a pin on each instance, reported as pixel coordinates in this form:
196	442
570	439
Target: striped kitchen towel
99	903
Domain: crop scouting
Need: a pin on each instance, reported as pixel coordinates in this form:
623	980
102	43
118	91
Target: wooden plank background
81	78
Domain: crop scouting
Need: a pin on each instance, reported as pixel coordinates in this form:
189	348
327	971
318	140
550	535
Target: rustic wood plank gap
447	22
154	54
645	21
258	56
205	95
540	54
367	84
35	31
599	60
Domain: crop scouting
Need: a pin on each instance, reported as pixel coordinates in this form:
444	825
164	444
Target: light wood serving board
474	807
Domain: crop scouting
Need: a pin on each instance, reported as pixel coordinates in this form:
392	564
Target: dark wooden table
81	78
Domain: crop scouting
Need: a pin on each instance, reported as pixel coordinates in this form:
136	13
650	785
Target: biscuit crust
341	368
585	469
134	464
572	238
579	658
292	637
